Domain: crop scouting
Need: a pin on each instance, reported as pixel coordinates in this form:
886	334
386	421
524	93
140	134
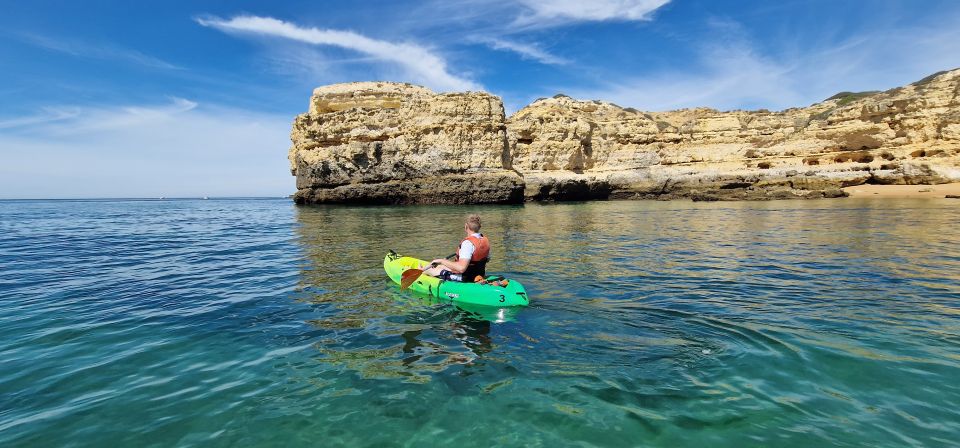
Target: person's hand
439	261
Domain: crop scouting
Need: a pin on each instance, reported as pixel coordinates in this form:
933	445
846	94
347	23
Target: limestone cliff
399	143
388	142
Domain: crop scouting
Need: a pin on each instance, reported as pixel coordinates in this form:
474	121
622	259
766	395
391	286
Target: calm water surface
258	323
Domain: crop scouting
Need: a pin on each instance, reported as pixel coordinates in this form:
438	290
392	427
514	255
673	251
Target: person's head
473	224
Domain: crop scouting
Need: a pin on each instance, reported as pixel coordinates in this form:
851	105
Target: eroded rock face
398	143
907	135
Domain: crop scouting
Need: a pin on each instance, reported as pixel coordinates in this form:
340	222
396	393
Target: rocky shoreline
394	143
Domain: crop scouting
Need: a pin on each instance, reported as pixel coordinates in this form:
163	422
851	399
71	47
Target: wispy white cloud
559	12
505	17
72	120
177	148
101	51
733	73
525	50
732	76
45	116
420	63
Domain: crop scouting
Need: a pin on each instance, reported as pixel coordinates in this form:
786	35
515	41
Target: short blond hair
473	222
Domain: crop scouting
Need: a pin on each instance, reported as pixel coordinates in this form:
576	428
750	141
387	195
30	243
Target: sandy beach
904	191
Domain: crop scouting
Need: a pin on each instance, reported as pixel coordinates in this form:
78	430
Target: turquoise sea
260	323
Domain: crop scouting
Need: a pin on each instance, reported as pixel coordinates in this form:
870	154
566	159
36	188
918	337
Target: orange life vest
481	248
478	262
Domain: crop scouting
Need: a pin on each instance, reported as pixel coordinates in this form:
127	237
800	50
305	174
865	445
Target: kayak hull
473	293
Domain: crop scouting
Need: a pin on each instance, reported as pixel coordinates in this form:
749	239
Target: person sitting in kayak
471	257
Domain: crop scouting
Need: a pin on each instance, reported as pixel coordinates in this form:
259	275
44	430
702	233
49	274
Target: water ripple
254	322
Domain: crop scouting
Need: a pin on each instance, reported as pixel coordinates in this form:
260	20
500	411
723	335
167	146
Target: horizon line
162	198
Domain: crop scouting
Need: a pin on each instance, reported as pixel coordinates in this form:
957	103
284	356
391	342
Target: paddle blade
409	276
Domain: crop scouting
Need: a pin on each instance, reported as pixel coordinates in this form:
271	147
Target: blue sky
193	98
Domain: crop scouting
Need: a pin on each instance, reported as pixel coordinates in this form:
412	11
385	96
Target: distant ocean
254	322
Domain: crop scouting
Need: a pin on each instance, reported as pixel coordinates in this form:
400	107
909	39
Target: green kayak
512	294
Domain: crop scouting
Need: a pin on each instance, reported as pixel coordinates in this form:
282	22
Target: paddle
411	275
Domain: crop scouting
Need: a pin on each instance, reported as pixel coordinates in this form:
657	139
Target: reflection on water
675	316
233	323
345	271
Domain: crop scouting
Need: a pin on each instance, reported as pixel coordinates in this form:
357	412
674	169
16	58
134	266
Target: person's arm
464	255
457	267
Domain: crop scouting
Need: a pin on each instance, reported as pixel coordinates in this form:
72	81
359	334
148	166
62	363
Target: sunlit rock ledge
380	142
